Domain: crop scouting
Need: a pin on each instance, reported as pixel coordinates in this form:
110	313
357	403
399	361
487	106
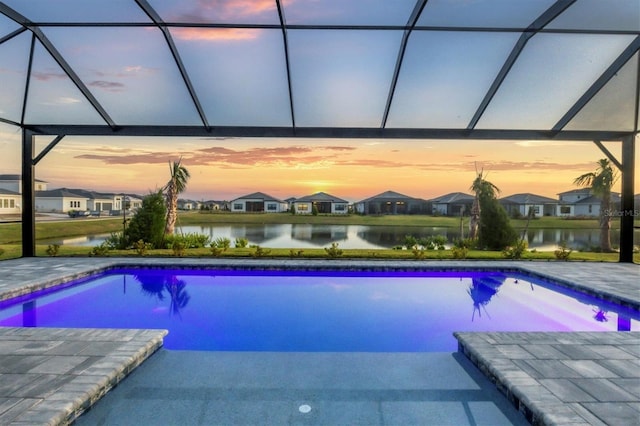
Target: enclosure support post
627	209
28	195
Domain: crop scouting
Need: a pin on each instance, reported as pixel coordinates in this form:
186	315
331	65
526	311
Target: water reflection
155	285
482	290
362	236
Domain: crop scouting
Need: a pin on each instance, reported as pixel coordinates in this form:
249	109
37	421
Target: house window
536	210
565	210
340	207
5	203
12	203
237	206
303	207
271	207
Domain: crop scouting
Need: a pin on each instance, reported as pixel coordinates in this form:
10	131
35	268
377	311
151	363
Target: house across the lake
582	203
453	204
519	205
10	202
258	202
390	202
324	203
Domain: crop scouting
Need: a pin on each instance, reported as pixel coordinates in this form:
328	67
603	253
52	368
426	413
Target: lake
361	236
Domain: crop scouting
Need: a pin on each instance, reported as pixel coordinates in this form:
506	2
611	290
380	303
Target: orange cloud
229	11
216	34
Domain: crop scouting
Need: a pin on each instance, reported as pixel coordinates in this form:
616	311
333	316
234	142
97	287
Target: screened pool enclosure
401	69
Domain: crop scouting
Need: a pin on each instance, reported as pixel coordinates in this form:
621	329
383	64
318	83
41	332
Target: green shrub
1	251
178	247
459	252
53	249
260	252
222	243
191	240
433	242
148	222
468	243
418	252
241	242
295	253
141	247
410	241
563	252
116	241
99	250
333	251
216	251
516	251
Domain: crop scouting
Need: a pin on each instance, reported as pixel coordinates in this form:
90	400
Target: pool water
225	310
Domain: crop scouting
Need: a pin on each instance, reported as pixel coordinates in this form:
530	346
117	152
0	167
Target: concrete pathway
552	378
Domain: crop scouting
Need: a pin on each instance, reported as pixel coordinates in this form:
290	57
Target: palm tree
482	188
176	185
601	181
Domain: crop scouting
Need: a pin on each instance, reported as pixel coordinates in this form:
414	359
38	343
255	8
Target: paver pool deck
51	376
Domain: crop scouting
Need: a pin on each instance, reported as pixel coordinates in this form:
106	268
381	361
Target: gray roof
454	197
8	192
58	193
576	191
16	177
389	195
594	199
321	197
528	198
259	196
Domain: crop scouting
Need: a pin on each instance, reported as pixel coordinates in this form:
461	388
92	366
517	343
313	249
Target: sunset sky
350	169
234	54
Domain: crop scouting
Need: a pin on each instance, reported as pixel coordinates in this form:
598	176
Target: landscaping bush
99	250
241	243
563	252
515	251
53	249
333	251
148	222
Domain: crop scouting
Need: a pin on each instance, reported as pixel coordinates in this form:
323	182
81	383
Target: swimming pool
239	310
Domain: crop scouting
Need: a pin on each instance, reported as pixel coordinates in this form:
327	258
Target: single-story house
216	205
10	201
258	202
452	204
97	202
391	202
13	182
323	202
60	201
189	204
518	205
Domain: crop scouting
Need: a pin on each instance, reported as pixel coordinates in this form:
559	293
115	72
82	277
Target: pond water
360	236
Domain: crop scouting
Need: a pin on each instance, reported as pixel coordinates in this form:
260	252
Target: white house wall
10	204
60	205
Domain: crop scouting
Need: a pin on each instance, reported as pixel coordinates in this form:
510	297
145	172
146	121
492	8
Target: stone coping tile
580	389
53	389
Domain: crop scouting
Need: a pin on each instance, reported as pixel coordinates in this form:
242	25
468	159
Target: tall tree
494	230
147	223
176	185
480	187
601	181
